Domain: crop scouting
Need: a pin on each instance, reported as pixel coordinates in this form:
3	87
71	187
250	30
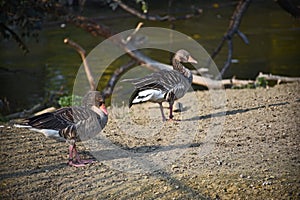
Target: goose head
184	56
94	98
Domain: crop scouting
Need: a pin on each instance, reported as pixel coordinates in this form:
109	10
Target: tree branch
107	91
233	28
87	69
15	36
140	58
101	30
290	7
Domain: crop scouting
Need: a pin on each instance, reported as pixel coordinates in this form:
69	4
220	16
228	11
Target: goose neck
180	68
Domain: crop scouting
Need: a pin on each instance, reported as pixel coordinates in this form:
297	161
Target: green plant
261	82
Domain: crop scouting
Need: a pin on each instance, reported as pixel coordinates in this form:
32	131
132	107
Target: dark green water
273	35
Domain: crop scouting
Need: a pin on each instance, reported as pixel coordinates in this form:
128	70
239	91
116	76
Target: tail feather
50	134
47	132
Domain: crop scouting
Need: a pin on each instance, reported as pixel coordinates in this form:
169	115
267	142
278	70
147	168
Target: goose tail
51	133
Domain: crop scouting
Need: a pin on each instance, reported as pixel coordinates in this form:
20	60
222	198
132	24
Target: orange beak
103	108
192	60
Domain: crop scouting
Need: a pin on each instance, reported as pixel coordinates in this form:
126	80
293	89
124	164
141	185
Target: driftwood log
25	113
277	78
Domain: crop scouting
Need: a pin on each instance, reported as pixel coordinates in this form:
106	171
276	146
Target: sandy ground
233	144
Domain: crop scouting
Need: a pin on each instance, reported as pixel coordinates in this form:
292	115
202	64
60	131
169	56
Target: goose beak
192	60
103	108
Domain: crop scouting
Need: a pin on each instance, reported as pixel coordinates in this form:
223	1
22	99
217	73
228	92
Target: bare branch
233	28
15	37
243	36
87	69
290	7
228	61
128	39
140	58
107	91
90	25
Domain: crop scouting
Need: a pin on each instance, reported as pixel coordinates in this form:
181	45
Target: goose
73	124
164	85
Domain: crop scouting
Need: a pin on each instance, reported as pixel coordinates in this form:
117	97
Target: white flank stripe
148	95
21	126
47	132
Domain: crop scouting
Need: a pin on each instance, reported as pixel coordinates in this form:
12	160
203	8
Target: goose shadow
233	112
43	169
129	152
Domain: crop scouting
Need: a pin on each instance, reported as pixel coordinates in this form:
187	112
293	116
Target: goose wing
70	122
165	81
56	120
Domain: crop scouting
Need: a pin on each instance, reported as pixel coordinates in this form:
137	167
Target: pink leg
74	158
171	113
162	112
79	160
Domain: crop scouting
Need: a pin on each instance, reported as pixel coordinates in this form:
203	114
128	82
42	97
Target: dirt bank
252	152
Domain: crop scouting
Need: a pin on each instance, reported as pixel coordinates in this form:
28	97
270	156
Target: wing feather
169	82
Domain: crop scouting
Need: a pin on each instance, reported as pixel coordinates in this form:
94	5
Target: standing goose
73	124
164	85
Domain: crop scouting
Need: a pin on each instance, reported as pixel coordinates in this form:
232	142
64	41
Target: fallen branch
25	113
279	79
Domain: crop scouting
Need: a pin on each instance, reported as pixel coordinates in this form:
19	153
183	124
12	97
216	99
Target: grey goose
164	85
73	124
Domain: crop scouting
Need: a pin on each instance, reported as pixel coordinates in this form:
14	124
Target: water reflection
273	34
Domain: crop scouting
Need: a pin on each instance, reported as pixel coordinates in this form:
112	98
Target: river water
273	34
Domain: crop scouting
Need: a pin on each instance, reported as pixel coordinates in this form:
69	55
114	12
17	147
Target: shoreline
254	152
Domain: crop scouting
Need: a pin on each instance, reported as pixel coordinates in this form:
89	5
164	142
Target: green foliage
71	100
22	18
261	82
144	6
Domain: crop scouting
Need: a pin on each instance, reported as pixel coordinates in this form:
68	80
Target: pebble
220	162
174	166
266	183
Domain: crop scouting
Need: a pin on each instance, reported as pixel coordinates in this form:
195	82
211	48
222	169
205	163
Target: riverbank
252	152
